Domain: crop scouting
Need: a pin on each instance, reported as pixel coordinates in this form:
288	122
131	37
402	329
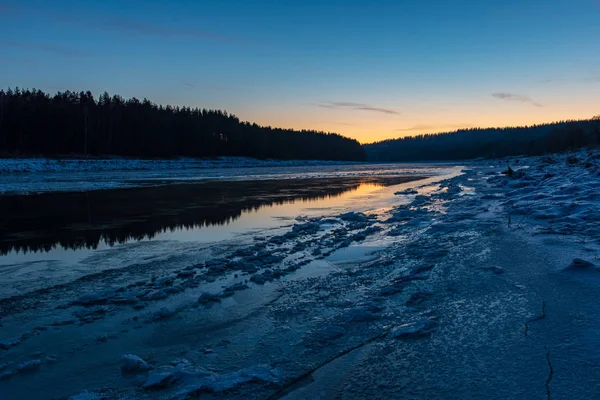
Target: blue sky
367	69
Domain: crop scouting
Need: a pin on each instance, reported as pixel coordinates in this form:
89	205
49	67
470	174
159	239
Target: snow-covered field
473	285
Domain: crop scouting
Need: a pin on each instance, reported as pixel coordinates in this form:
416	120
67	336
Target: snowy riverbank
75	178
24	165
480	285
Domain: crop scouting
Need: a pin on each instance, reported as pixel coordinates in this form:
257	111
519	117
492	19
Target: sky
370	70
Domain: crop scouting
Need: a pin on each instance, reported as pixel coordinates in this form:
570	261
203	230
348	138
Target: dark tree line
35	123
487	143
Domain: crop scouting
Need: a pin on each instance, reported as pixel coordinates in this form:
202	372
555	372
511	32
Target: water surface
59	236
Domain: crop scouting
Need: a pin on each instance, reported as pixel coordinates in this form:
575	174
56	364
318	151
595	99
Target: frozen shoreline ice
27	165
31	176
482	269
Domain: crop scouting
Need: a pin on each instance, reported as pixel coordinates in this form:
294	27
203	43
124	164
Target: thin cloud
416	128
516	98
549	80
344	123
358	107
423	127
50	48
122	26
133	27
593	79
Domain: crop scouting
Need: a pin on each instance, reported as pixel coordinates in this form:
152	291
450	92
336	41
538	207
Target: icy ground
23	165
26	176
481	286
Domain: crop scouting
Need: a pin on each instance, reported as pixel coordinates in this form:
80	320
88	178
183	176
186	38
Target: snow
206	298
494	269
354	217
86	396
196	380
580	265
132	364
94	298
26	176
415	329
29	366
328	333
163	313
26	367
24	165
8	343
439	291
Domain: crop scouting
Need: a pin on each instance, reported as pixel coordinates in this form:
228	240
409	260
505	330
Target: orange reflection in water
272	215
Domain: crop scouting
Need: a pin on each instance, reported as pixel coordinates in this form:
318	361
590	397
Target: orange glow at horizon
371	127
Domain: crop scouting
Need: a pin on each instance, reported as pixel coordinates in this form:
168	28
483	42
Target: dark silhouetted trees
487	143
33	122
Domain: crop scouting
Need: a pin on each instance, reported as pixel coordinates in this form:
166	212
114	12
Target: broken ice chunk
414	329
132	364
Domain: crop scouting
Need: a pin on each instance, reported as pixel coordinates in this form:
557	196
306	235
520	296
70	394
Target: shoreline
481	285
92	180
18	165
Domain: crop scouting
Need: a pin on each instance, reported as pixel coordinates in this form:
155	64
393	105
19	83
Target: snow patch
196	380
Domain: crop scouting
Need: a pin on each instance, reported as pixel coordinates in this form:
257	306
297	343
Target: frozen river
54	236
366	281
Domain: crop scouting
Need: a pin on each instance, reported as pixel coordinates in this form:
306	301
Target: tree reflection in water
78	220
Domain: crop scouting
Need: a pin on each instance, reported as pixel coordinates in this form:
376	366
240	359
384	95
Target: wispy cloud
593	79
416	128
358	107
423	127
18	60
517	98
124	26
50	48
550	80
344	123
133	27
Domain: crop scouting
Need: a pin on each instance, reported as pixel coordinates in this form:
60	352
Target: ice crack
550	373
285	389
538	318
551	369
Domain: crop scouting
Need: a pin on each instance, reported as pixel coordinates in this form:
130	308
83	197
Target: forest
491	142
69	123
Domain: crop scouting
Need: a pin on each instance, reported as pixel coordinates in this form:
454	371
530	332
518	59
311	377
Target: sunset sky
370	70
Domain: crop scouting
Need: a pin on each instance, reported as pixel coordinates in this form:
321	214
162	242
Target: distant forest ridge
490	142
34	122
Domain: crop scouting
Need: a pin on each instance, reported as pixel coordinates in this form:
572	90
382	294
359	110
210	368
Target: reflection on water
104	218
